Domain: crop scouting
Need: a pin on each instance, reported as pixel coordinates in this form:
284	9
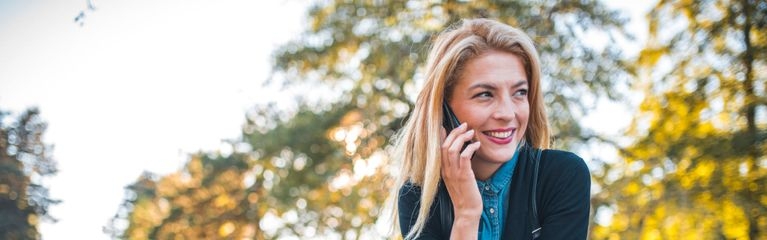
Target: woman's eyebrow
483	85
489	86
519	83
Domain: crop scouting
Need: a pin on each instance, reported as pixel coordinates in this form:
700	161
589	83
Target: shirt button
487	188
492	210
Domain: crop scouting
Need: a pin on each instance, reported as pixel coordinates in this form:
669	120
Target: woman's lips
500	136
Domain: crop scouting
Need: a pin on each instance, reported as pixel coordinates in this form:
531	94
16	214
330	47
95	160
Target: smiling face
491	96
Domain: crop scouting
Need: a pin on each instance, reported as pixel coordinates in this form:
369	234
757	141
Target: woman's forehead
493	69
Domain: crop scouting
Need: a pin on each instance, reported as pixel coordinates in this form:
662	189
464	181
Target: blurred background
239	119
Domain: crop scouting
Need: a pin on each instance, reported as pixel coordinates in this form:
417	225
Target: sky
138	85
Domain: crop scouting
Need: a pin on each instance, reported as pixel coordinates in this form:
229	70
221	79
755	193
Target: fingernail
471	131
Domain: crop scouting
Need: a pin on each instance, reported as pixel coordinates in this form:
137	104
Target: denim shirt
495	198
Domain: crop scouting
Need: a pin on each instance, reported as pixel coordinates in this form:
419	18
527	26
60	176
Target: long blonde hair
417	145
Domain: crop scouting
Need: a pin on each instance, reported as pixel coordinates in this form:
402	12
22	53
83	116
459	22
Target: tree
697	169
320	167
24	158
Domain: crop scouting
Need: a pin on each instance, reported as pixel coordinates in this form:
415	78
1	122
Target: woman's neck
483	170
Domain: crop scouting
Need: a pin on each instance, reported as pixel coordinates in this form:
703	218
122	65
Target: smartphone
450	121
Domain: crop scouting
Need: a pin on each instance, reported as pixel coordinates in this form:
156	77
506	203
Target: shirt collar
502	176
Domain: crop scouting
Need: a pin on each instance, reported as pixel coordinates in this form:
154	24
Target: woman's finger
447	156
454	134
465	158
442	133
457	144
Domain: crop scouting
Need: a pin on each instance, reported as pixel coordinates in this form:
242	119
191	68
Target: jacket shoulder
563	161
564	168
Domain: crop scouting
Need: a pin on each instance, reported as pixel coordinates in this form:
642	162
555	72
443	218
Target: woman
487	178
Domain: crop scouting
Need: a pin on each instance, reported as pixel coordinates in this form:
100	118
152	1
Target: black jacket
562	197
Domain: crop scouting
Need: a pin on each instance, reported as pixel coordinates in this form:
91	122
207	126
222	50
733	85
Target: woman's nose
505	109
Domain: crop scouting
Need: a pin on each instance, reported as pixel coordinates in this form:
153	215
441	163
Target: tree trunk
751	103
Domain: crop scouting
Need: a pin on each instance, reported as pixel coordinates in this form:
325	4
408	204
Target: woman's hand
461	183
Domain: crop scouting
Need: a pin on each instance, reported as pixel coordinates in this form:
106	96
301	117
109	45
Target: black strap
445	207
536	223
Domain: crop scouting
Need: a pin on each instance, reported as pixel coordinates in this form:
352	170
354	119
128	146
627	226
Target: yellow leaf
648	57
734	222
704	170
226	229
631	189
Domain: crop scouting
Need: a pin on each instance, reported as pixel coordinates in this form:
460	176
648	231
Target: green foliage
697	168
23	157
322	169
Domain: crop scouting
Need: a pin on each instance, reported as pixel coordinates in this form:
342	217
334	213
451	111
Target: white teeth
499	134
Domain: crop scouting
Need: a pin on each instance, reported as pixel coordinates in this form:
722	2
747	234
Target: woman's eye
483	94
521	92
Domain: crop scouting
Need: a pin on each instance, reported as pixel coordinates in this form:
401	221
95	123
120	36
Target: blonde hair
417	145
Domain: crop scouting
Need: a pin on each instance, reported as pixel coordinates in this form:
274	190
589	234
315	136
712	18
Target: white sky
139	86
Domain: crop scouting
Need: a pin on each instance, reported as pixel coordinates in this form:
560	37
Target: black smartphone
450	121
